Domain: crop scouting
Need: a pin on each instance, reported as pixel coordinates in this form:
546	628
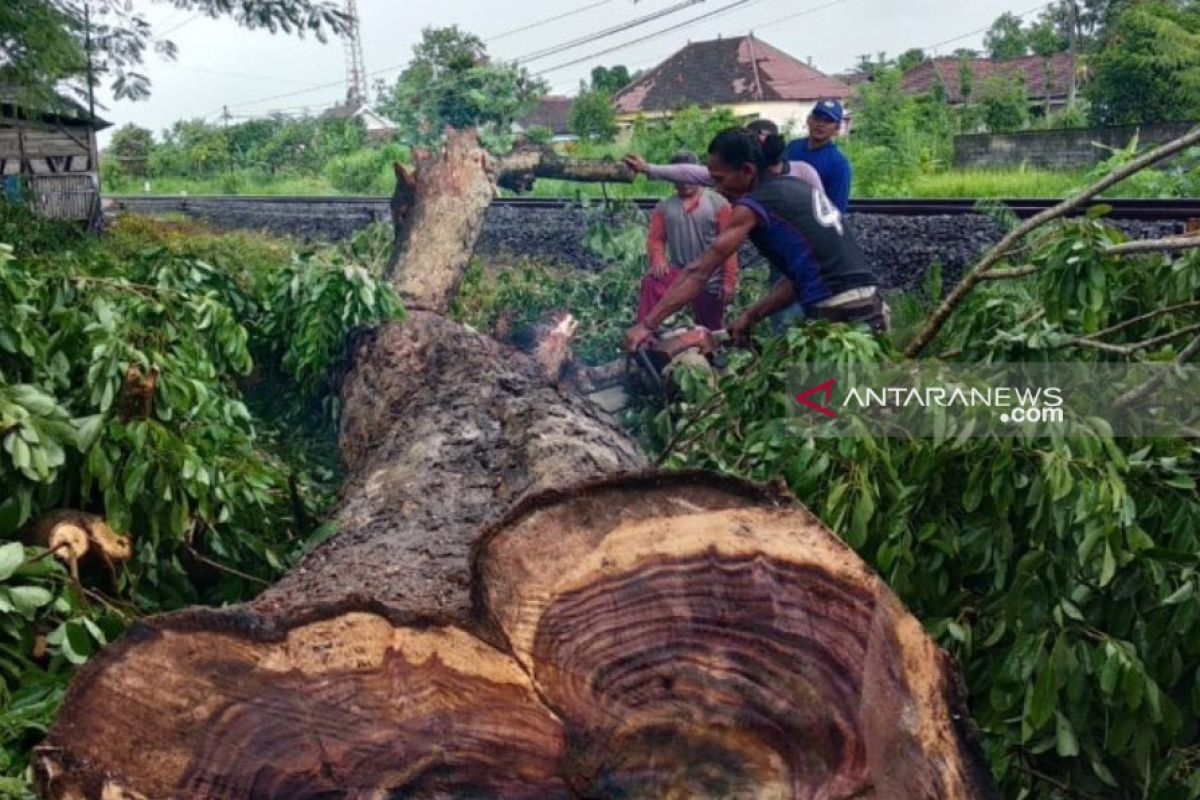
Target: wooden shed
48	154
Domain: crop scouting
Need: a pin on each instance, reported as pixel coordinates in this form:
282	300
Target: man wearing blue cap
824	156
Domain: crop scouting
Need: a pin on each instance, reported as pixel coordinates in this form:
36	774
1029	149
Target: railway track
1149	210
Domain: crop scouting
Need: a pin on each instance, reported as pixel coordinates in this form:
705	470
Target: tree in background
690	129
451	81
1147	69
130	149
911	58
1047	35
1006	38
593	117
610	79
42	42
1004	103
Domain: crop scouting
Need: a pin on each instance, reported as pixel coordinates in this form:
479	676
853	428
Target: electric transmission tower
356	73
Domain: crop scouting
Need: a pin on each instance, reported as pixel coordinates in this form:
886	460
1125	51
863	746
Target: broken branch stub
700	637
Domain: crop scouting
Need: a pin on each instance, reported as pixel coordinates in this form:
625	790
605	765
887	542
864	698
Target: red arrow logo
822	408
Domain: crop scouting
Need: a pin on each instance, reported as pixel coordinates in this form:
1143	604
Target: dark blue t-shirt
804	238
831	165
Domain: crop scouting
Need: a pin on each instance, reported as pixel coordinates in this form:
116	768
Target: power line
269	78
300	92
604	34
190	19
679	26
988	28
547	21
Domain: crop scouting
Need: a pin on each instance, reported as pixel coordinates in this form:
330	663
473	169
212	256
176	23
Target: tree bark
438	212
514	606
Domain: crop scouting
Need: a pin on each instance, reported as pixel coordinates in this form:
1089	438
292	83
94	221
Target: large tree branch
1169	245
1140	318
527	163
1139	392
1130	349
997	254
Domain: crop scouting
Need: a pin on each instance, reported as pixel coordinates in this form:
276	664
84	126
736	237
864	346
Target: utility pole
91	82
87	46
1073	11
356	72
228	141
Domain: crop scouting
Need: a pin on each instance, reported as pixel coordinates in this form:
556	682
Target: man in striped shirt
681	229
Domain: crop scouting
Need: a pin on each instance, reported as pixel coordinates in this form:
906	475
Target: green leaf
1109	568
1064	737
87	429
10	517
1110	674
77	644
1042	699
1180	594
29	599
12	555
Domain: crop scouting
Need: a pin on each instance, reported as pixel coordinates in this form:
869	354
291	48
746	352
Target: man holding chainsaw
797	229
681	228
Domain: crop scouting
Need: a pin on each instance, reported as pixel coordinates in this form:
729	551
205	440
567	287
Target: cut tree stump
514	607
700	637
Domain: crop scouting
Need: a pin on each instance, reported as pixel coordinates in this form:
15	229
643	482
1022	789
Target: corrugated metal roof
55	108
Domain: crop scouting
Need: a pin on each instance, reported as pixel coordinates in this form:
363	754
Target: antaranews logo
937	399
827	389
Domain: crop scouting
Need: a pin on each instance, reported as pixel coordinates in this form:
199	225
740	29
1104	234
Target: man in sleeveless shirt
681	229
797	229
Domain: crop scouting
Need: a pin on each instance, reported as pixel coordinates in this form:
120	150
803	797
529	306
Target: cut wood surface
215	705
702	638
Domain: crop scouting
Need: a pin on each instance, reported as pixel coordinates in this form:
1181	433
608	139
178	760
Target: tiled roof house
744	74
1045	79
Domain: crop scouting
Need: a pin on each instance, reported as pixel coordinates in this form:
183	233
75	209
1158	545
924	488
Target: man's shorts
864	305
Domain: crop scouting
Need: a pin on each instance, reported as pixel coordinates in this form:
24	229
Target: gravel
901	249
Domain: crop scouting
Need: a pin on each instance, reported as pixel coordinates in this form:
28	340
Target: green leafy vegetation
179	384
1060	573
45	41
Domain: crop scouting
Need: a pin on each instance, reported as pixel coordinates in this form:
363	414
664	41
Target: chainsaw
696	346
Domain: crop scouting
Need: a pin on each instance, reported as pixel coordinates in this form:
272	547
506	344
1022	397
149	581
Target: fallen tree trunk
514	607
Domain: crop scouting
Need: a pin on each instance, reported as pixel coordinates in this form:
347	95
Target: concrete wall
1063	149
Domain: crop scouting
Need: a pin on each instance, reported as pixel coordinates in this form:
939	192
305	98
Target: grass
979	183
222	185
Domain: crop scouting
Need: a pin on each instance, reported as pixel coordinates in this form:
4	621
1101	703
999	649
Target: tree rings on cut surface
348	705
703	638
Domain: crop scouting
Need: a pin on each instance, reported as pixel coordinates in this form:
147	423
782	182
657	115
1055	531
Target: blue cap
829	108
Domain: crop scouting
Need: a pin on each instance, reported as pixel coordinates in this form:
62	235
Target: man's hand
635	163
727	294
636	336
660	270
739	331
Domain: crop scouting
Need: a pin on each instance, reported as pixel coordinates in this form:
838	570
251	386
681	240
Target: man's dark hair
773	148
738	146
685	157
761	126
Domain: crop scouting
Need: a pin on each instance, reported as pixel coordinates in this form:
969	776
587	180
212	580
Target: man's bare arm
680	173
782	295
696	274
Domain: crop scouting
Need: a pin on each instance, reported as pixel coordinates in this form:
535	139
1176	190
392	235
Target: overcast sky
220	63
